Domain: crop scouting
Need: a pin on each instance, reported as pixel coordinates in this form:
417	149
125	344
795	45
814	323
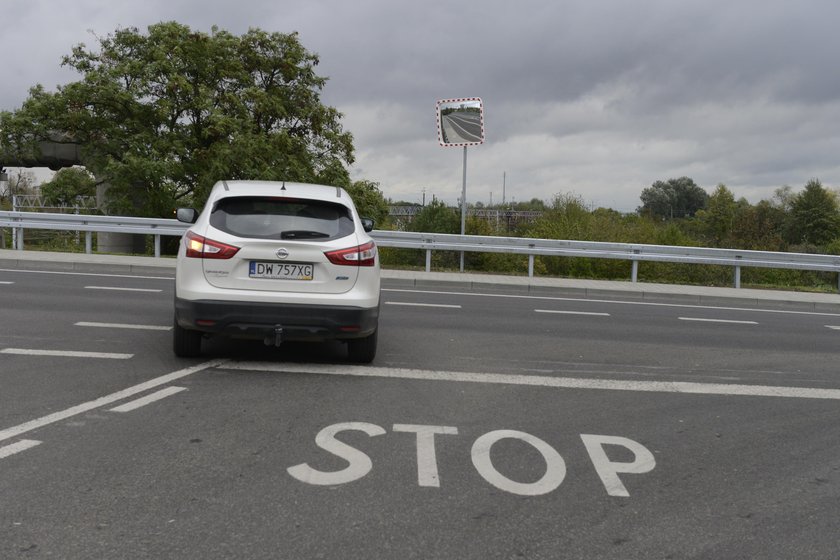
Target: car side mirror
367	224
187	215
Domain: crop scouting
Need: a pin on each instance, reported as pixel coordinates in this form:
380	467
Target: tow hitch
277	339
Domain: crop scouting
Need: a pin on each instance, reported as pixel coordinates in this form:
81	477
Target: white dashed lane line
405	304
588	313
729	321
148	399
66	353
5	282
22	445
119	289
123	326
21	429
832	327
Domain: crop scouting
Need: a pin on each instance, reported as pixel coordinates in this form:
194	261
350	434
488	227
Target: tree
67	185
814	216
369	201
437	217
674	198
161	116
718	218
19	183
759	227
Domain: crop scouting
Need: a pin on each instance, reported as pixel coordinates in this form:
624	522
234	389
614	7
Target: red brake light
361	255
200	247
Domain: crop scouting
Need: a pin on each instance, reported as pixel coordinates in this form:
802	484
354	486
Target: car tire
362	350
185	343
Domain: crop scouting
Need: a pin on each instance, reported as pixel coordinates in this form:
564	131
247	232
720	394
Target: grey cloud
600	97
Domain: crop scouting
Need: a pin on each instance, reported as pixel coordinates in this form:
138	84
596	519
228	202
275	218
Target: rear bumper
262	320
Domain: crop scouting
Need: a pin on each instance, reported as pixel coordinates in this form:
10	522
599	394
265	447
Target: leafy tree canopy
66	185
674	198
814	216
718	218
162	115
369	201
437	217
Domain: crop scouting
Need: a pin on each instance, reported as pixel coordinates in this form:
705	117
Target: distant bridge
407	213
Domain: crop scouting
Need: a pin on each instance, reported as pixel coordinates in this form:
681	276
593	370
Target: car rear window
282	218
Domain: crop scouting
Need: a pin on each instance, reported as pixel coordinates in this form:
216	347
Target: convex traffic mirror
460	122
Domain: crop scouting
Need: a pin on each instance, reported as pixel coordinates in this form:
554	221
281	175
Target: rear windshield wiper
302	234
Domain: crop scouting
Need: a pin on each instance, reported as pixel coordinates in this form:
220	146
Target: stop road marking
360	464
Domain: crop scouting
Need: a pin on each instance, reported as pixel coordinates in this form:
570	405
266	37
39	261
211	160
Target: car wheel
362	350
185	343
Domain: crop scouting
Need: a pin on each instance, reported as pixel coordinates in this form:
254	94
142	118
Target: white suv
277	261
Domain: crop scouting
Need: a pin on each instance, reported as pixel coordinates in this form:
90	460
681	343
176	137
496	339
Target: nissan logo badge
282	253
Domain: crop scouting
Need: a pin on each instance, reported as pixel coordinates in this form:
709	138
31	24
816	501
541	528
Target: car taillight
361	255
200	247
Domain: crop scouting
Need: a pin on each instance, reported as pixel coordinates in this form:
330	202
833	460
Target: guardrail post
428	260
634	272
531	261
19	239
2	238
157	245
737	273
88	242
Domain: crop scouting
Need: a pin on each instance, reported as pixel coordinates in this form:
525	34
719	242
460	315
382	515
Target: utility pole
504	180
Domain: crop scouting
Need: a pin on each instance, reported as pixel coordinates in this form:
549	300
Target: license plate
280	271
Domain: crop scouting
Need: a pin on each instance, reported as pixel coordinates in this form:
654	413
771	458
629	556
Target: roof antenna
338	191
225	184
283	188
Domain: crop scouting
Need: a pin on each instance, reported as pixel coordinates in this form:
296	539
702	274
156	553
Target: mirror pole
464	205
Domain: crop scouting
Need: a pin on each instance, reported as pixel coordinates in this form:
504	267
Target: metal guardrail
429	242
635	253
20	221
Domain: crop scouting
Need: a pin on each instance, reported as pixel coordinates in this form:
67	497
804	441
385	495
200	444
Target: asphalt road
491	425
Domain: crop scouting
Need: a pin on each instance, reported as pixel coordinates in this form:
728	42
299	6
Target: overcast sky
596	98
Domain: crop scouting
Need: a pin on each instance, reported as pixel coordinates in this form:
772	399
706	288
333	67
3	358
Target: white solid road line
423	304
123	326
592	313
66	353
148	399
119	289
22	445
18	430
542	381
698	319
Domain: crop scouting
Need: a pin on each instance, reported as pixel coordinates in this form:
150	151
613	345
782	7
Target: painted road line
119	289
22	445
97	274
614	301
592	313
148	399
123	326
542	381
832	327
698	319
423	304
5	282
66	353
16	431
